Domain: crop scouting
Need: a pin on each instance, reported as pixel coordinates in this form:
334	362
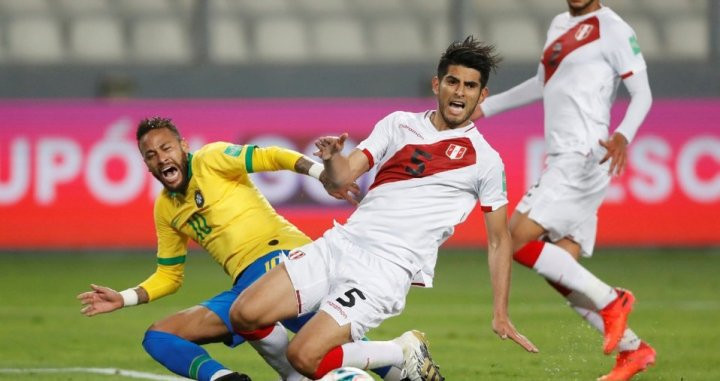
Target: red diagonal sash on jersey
421	160
581	34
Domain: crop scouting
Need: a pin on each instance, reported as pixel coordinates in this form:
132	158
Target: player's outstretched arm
525	93
104	299
341	170
499	263
316	170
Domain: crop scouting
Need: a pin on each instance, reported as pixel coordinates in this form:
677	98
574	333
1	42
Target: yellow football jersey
223	212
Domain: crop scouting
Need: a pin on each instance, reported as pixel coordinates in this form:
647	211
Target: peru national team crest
455	152
583	31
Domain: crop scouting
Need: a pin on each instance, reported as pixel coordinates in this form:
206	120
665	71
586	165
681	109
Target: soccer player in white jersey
588	52
433	168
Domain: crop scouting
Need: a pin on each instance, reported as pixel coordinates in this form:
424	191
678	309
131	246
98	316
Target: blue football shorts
221	303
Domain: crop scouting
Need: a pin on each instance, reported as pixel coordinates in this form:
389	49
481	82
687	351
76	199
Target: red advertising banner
71	175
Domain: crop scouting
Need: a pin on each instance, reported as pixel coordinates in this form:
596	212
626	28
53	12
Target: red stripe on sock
528	254
564	291
257	334
332	360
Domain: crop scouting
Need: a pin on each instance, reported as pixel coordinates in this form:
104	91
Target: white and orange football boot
630	363
615	317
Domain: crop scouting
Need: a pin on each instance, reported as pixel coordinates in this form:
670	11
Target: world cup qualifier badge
199	199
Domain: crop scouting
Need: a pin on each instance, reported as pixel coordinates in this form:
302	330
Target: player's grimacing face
166	158
458	92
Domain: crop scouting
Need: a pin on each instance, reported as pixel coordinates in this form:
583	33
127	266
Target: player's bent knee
243	319
302	359
155	343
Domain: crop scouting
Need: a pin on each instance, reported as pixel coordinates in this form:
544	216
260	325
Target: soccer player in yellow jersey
209	198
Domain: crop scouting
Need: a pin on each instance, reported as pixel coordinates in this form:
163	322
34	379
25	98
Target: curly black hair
154	123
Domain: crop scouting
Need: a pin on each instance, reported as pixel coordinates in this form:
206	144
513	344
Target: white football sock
273	349
557	265
629	341
394	374
372	354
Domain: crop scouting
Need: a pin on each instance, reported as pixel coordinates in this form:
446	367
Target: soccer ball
347	374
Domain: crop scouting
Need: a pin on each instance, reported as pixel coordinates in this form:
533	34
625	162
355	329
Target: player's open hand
99	300
616	148
329	145
506	330
349	192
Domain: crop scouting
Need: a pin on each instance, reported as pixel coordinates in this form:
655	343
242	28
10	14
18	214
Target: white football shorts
355	287
566	198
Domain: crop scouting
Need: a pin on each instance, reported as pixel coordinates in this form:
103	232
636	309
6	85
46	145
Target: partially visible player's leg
370	290
269	338
554	263
558	264
631	362
269	300
273	298
364	291
634	355
175	343
387	373
322	345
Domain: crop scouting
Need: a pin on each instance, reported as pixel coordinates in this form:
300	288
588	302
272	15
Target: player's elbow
174	286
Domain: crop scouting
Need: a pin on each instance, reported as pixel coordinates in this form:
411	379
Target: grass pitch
677	311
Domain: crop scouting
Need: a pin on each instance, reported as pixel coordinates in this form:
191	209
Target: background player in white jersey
433	168
588	51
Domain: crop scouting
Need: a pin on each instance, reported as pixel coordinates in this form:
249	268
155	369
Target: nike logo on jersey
576	37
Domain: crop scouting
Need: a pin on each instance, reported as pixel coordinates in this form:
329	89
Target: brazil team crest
199	199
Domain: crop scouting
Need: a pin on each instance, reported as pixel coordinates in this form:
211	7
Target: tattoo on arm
303	165
143	296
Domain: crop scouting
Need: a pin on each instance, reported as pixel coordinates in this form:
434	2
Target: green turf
677	310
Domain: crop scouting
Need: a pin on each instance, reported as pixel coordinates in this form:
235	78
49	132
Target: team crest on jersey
296	254
583	32
455	152
199	199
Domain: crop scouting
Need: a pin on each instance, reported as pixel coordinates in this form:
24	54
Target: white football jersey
427	182
584	60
